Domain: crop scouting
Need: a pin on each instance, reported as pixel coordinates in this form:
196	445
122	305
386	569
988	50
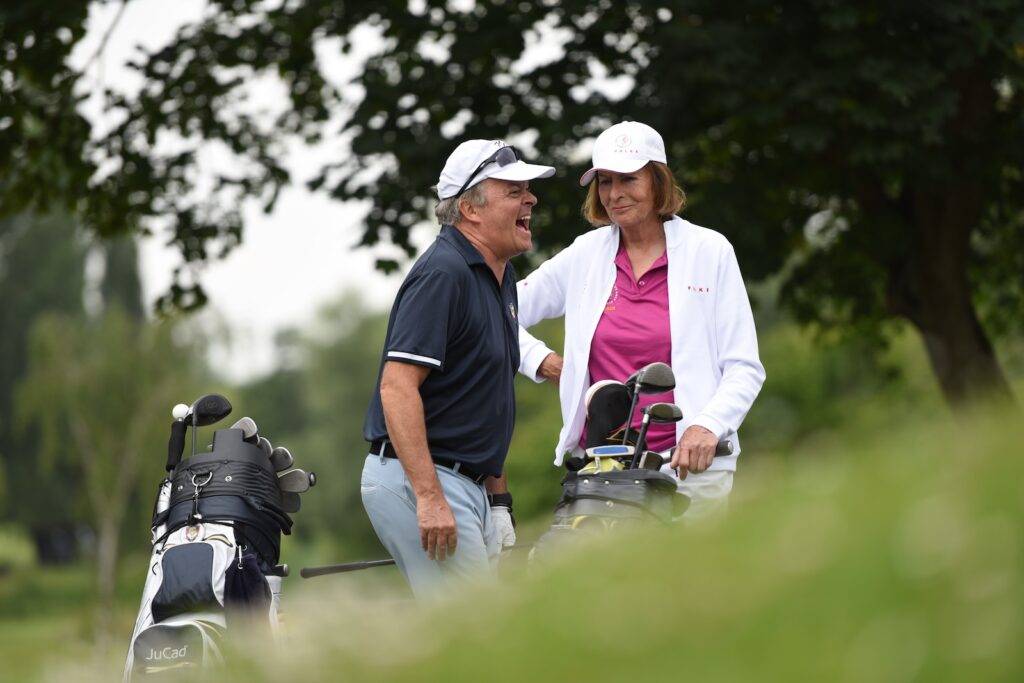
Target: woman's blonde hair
669	198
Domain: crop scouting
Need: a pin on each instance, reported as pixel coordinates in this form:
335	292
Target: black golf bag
217	529
596	502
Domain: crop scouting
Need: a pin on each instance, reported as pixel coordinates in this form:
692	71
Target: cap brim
624	166
521	171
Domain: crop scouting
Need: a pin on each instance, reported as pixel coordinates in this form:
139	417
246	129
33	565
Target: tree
876	147
41	269
95	390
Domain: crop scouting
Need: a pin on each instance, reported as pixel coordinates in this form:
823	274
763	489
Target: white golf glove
503	526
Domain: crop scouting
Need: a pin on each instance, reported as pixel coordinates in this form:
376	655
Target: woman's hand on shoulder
551	368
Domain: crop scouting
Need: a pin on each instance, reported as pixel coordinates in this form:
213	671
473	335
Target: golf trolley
216	536
617	481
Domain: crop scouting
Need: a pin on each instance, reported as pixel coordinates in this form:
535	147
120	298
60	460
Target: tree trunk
106	574
961	354
930	288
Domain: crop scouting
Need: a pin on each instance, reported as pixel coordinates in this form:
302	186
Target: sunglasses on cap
505	156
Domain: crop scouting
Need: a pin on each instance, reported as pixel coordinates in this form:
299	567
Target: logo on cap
622	140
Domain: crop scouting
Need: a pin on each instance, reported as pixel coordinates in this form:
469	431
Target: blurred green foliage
94	391
895	556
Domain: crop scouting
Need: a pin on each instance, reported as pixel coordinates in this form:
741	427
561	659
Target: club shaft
310	572
644	424
629	418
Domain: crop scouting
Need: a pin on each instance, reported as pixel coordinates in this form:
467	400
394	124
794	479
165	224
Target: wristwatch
502	499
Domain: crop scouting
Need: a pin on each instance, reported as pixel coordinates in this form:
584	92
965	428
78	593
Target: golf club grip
723	448
175	444
310	572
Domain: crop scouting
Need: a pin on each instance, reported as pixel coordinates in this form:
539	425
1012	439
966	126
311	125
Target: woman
648	286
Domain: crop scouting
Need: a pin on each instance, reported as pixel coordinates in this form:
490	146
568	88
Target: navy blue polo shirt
452	316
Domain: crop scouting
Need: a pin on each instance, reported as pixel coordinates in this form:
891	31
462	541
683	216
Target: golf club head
265	446
664	412
296	481
179	411
651	461
281	459
291	502
655	378
208	410
607	404
250	432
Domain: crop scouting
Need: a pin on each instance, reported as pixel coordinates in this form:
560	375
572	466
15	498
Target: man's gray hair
447	210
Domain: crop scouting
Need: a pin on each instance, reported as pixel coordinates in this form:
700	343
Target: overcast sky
291	261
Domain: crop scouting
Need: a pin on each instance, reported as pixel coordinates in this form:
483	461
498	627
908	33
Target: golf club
207	410
290	502
660	413
651	461
281	459
310	572
176	442
296	481
249	429
265	446
655	378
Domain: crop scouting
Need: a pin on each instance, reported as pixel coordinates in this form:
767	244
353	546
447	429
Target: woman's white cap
468	156
624	148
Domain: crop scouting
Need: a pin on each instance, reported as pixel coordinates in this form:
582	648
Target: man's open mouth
524	223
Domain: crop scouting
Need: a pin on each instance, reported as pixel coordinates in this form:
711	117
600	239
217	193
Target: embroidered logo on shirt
700	290
512	310
612	299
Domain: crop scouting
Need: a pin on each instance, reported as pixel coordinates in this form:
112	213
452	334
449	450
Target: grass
878	557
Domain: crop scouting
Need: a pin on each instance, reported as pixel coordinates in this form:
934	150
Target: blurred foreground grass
895	557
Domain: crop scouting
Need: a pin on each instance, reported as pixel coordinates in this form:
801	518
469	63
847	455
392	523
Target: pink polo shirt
634	331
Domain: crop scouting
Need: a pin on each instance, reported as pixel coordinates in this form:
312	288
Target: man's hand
438	533
695	451
502	518
551	368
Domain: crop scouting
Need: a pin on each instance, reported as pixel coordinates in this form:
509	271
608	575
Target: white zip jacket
714	344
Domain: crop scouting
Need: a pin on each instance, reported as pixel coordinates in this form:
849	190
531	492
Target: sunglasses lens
506	156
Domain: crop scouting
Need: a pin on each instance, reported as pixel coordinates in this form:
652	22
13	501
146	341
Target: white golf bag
216	540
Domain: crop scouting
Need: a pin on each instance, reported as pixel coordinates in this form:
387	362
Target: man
440	421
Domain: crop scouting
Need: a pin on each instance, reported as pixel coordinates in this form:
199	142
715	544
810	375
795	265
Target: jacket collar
675	227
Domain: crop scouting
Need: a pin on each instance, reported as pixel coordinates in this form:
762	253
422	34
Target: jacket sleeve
742	372
541	296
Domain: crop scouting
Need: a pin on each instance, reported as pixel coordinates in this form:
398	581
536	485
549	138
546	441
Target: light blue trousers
391	506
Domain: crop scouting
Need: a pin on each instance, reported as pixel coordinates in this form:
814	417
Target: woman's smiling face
627	197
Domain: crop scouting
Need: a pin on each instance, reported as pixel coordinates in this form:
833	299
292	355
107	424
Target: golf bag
217	528
604	496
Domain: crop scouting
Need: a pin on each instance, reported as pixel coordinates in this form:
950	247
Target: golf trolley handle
724	447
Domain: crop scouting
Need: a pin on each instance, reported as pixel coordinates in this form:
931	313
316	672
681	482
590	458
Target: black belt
462	468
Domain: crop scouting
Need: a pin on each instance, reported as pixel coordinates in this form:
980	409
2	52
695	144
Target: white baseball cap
477	160
624	148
